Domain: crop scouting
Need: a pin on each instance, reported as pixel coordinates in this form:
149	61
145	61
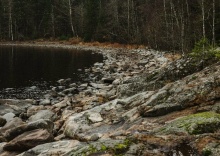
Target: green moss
117	149
206	152
206	122
103	147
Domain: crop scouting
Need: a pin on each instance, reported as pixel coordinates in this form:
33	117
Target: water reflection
27	66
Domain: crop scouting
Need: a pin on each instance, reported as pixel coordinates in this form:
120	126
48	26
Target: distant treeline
161	24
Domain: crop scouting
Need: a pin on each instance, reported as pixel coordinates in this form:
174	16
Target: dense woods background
161	24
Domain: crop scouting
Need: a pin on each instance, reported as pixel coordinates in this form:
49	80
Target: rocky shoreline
137	102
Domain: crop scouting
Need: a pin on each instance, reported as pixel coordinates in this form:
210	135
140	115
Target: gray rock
34	109
9	116
94	117
19	129
98	65
43	114
45	102
61	104
11	124
29	140
14	106
62	147
61	81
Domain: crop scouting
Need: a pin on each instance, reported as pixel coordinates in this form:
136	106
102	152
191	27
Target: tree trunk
128	14
213	24
165	16
203	20
71	19
53	21
10	23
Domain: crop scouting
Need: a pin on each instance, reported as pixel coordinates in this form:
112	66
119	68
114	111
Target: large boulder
14	106
43	114
62	147
18	130
202	88
8	116
11	124
206	122
29	140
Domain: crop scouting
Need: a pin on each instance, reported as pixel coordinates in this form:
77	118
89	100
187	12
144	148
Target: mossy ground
206	122
117	149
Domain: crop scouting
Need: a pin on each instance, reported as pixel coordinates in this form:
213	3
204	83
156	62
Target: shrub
204	50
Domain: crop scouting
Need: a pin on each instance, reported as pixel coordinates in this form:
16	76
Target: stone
18	130
45	102
43	114
69	90
64	148
14	106
98	86
29	140
98	65
9	116
61	104
206	122
61	81
34	109
2	121
11	124
116	82
94	117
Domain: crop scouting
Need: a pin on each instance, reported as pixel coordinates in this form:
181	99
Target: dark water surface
22	67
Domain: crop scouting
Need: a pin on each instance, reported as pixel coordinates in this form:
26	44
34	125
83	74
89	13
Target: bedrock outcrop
136	102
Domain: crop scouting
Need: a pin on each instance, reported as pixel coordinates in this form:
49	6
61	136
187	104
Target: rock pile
137	102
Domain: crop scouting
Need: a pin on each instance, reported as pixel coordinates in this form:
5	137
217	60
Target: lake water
22	67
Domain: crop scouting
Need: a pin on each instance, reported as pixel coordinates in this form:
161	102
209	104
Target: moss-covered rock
206	122
115	147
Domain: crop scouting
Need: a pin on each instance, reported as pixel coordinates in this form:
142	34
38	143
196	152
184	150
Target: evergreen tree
91	18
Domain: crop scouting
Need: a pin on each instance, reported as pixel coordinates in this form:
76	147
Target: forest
159	24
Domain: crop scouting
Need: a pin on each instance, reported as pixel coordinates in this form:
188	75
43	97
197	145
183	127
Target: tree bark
71	19
10	23
213	24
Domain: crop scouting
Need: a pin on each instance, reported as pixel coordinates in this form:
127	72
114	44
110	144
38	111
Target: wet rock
43	114
29	140
2	121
